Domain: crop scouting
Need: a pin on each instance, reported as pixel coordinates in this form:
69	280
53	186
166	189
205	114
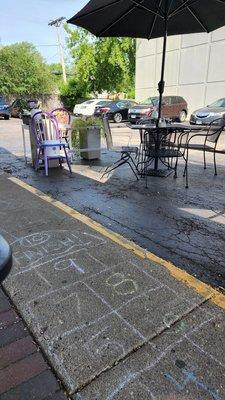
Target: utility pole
57	23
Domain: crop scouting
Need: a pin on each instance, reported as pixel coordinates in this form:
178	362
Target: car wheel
182	116
118	117
6	117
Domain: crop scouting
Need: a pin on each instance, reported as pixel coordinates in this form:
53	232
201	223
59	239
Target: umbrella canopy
145	18
150	19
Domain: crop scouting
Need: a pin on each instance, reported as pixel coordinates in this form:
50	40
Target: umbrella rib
118	20
182	7
135	4
153	23
221	1
94	11
197	18
169	8
148	9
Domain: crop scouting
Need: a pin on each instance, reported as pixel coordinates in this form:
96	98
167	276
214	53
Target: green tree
102	64
23	71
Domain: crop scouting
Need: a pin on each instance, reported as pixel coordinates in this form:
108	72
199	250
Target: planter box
90	142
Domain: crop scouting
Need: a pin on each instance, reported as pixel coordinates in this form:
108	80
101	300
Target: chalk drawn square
63	310
211	338
40	248
177	370
104	253
53	275
142	313
183	371
122	283
85	353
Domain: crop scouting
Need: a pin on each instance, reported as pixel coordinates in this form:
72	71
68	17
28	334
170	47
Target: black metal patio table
5	259
160	133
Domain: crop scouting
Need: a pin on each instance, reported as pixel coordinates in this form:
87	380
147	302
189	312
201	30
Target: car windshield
89	102
103	102
218	103
151	101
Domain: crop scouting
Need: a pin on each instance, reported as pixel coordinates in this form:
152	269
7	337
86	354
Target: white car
87	108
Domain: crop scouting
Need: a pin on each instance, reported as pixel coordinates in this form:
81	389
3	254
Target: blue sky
27	20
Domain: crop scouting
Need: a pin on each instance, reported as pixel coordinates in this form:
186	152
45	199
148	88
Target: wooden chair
47	139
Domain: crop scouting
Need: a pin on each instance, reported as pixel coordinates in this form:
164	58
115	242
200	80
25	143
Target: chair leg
186	175
113	167
46	164
215	166
134	164
133	170
146	175
36	165
67	160
204	157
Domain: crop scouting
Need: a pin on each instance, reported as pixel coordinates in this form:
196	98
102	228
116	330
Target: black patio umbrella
150	19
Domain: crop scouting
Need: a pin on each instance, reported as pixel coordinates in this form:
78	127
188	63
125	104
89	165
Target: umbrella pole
161	84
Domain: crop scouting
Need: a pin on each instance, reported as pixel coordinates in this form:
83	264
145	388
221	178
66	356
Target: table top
168	126
5	259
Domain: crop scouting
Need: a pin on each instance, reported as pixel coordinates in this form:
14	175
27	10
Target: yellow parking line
201	288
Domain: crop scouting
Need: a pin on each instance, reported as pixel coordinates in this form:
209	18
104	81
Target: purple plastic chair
49	145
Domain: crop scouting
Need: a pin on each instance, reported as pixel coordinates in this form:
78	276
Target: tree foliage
23	71
101	64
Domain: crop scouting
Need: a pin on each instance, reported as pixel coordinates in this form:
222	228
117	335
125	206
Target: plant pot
90	142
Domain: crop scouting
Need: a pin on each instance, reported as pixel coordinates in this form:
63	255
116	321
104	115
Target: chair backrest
108	134
62	115
215	129
44	127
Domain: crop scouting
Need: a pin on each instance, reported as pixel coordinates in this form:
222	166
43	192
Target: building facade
195	67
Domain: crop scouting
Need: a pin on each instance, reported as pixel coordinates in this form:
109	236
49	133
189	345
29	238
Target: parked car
100	105
86	108
21	106
207	114
117	110
4	108
174	107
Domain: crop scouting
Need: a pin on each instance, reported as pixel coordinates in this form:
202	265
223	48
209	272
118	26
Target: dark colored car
4	108
206	115
100	105
19	106
173	107
116	111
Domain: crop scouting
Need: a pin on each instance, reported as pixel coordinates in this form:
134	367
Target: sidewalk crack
144	343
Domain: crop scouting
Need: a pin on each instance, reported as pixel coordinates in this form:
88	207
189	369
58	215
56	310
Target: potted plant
86	137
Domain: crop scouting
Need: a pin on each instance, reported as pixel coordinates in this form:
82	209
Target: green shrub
79	128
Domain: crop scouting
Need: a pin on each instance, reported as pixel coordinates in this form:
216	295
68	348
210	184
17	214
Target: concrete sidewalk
114	321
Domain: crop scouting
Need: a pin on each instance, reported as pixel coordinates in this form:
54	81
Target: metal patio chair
47	140
126	152
211	137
